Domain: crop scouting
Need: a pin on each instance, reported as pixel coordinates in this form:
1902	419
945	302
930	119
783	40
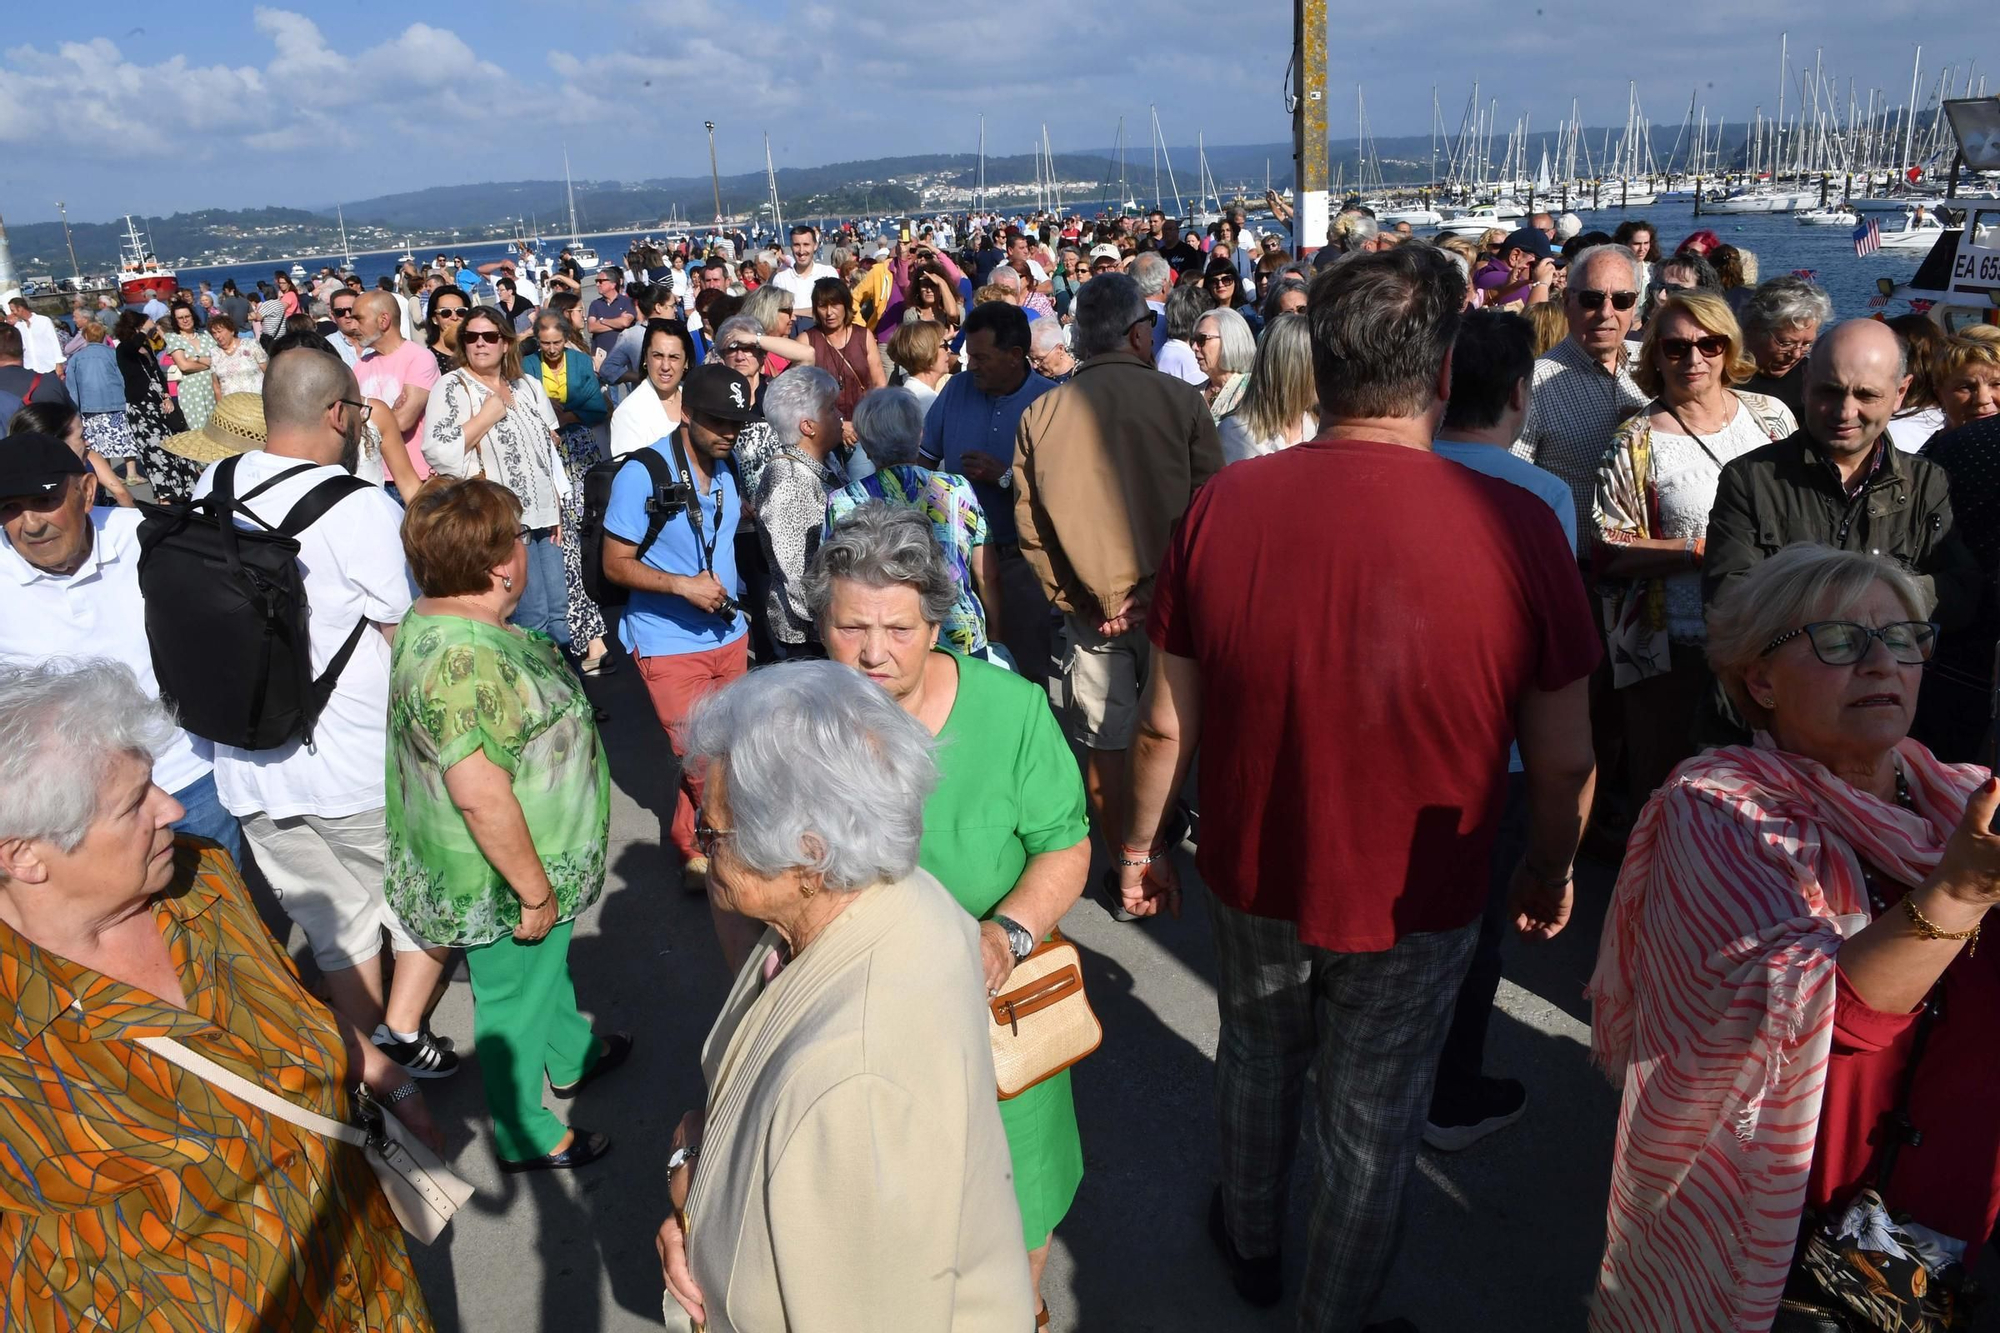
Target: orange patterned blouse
135	1196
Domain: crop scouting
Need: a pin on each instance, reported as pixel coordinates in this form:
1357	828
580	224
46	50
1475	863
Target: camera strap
703	542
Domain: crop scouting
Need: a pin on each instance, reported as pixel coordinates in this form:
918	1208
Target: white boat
1920	231
139	270
1827	217
299	273
1478	221
585	257
1764	201
1894	203
1416	216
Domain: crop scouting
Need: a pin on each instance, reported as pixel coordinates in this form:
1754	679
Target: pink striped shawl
1713	1004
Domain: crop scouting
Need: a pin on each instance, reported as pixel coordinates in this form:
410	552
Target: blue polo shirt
656	624
964	418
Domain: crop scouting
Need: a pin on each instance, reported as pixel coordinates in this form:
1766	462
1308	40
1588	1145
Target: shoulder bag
421	1190
1857	1270
1042	1020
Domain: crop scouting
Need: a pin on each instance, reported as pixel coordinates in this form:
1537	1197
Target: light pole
714	179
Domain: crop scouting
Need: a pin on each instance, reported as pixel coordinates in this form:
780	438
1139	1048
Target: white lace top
1684	478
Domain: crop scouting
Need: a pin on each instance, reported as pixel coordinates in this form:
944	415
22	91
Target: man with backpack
311	805
670	537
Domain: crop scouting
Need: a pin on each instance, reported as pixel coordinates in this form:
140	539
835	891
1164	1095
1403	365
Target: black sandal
585	1147
617	1047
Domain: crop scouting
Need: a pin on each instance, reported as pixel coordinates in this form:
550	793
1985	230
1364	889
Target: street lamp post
714	179
75	269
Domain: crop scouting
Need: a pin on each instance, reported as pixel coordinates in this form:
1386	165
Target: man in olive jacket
1838	481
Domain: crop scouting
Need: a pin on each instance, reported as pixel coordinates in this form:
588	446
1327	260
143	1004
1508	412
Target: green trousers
525	1028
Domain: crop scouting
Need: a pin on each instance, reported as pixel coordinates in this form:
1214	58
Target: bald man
1837	481
394	369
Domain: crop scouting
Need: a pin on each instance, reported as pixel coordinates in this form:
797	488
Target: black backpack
227	617
596	500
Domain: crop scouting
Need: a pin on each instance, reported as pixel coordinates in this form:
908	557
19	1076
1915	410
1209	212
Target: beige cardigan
853	1172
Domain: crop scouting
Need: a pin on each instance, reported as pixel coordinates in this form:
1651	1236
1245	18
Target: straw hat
235	427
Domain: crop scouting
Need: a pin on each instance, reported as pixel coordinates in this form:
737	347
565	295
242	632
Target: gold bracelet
1930	931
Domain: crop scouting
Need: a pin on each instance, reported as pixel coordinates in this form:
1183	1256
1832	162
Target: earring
507	582
808	889
1768	703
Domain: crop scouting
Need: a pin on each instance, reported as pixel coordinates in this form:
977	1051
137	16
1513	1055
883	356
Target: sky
118	106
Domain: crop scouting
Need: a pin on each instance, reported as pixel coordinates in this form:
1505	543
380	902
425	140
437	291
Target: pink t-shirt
384	377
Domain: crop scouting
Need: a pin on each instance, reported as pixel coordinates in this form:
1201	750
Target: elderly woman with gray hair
850	1170
135	1193
1787	983
791	495
890	423
1224	347
1005	831
1781	322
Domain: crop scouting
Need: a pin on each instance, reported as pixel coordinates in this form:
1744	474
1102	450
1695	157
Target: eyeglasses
348	402
343	312
1197	339
1223	279
1594	300
706	836
474	336
1677	349
1843	643
449	311
740	349
1150	318
523	533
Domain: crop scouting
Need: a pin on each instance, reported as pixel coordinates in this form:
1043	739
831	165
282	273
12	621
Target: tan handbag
421	1189
1042	1021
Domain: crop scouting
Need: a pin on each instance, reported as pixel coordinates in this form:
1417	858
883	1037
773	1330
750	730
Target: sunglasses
740	349
1594	300
1677	349
343	312
449	311
1843	643
1223	280
473	337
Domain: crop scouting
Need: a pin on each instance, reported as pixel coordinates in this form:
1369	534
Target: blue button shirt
964	418
656	624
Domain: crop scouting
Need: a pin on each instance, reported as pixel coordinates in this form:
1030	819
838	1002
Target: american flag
1867	239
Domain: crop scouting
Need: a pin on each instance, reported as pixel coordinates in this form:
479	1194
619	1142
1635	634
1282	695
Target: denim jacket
94	380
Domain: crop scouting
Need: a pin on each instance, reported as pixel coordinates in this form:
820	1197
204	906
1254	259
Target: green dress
1010	790
459	685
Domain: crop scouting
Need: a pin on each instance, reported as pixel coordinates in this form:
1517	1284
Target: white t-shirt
353	563
1913	431
641	421
800	285
95	612
1684	476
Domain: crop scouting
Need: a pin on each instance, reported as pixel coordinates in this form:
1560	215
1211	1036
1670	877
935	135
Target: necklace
1871	878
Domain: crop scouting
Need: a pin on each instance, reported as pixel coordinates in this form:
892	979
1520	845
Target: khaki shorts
1103	678
327	875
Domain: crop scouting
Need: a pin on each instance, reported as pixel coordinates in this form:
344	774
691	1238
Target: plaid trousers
1369	1026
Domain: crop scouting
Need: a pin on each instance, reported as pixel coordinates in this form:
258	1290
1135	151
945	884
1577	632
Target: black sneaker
1490	1104
1258	1281
423	1058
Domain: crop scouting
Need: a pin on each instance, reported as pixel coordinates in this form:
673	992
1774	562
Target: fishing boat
1828	217
139	270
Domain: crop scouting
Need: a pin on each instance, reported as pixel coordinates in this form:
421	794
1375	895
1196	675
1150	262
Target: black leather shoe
586	1147
1258	1281
617	1047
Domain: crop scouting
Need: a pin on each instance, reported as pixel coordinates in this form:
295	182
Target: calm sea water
1779	242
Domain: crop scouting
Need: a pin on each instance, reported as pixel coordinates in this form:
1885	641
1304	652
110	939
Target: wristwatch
1019	942
1006	482
681	1157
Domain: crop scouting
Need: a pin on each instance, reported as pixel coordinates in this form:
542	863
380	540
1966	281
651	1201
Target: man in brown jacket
1104	467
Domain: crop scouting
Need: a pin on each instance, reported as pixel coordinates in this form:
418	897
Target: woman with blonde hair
922	350
1551	325
1280	404
1966	375
1654	490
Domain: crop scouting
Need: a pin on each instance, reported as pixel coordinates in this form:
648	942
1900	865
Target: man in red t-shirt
1363	626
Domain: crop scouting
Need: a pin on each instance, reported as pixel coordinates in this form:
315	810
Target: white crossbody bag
421	1190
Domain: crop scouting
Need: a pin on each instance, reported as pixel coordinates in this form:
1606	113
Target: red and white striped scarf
1712	1004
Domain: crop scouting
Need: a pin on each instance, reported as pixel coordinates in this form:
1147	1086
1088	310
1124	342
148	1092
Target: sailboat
346	253
1206	193
585	257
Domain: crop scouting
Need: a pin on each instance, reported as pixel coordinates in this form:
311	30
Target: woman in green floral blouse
499	810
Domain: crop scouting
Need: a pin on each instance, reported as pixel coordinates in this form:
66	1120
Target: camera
670	501
729	608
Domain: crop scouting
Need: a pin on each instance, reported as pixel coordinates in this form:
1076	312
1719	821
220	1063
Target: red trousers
675	683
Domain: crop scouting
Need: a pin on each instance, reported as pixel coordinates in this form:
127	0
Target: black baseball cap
717	392
1531	239
34	464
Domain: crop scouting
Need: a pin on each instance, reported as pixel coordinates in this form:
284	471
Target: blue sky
119	106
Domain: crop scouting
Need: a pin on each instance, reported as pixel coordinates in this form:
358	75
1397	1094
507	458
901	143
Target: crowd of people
971	571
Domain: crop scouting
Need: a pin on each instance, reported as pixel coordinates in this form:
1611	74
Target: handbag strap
1900	1129
208	1071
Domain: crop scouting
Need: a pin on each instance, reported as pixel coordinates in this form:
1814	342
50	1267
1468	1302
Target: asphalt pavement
1503	1237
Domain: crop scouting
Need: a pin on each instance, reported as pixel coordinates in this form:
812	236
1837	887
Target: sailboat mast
771	184
1910	120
